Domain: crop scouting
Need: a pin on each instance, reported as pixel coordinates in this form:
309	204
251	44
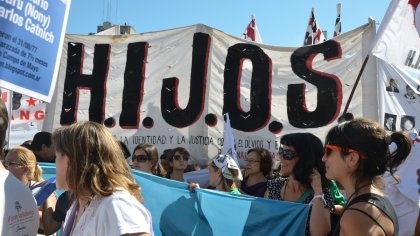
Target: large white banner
399	101
398	40
171	88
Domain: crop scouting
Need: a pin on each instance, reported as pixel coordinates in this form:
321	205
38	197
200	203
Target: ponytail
404	143
28	159
38	174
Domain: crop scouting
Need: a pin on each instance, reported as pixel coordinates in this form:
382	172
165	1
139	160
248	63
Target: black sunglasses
7	163
141	158
178	158
287	154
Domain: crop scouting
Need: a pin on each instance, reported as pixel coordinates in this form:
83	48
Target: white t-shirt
17	207
117	214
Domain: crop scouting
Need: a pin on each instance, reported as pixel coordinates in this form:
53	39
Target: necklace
355	192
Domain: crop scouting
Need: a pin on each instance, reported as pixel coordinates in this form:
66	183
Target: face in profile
61	163
214	176
15	167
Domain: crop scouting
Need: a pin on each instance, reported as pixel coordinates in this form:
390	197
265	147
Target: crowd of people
340	180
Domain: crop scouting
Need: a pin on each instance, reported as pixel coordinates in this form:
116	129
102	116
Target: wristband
331	209
321	196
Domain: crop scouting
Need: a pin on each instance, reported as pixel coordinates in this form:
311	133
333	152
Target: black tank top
378	201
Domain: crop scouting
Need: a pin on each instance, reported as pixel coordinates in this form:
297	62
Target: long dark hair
372	141
310	151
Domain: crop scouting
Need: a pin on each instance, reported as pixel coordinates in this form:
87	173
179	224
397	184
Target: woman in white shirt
90	163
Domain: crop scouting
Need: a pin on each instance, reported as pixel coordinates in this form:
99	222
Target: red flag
251	32
337	29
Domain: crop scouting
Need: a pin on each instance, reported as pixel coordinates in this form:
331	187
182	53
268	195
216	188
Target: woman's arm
49	225
319	221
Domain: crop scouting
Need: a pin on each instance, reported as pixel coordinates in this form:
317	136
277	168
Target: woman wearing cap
107	198
21	162
223	173
146	158
178	162
357	155
259	163
303	180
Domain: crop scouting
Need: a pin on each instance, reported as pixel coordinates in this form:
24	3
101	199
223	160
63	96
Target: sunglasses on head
287	154
179	157
329	148
7	163
141	158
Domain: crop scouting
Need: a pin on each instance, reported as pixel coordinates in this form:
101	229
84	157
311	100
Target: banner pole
355	85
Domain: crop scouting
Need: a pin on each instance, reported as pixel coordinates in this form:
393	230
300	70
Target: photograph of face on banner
408	123
392	86
410	94
390	120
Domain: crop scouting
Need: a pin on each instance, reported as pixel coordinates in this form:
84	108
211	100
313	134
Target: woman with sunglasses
357	155
107	199
303	180
178	162
146	158
21	162
258	167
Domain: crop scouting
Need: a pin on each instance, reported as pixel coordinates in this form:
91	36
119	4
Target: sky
280	22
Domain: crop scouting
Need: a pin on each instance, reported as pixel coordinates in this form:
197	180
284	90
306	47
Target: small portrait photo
410	94
390	120
408	123
392	86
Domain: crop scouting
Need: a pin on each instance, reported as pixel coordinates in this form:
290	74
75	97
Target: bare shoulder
356	221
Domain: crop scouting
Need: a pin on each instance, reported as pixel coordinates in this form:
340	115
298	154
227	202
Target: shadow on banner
177	211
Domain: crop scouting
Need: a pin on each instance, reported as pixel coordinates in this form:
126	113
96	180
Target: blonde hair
96	163
27	158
